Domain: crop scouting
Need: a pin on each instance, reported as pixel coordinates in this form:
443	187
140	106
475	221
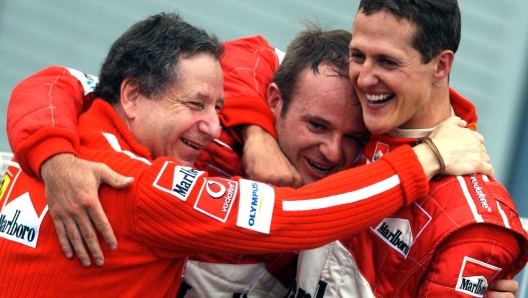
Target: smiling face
322	130
185	119
395	88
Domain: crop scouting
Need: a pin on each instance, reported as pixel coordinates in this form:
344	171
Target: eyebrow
351	48
201	95
317	118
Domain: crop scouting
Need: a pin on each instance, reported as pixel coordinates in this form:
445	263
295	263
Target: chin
374	128
184	162
308	180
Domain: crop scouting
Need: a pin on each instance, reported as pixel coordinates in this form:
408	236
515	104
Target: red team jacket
167	214
452	243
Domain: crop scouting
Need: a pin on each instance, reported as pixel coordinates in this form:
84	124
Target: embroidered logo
401	231
480	192
19	221
381	149
216	198
20	218
475	276
177	180
255	208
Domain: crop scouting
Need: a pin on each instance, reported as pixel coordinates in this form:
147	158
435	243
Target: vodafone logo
211	186
216	197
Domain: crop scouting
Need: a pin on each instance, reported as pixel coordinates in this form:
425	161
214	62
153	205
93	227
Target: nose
332	149
365	75
210	124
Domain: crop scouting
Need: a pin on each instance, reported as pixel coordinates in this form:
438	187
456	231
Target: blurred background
490	69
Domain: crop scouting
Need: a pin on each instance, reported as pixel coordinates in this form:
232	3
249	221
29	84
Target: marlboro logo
177	180
401	230
475	276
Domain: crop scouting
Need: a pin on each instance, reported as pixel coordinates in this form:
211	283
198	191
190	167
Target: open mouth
379	99
318	168
190	144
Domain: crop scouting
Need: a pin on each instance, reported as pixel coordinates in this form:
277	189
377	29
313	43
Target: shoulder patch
177	180
216	198
255	208
475	277
87	81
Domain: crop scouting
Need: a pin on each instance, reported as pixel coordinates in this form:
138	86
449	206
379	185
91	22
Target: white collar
413	132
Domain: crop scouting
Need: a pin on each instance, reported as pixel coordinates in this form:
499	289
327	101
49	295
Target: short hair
311	48
438	22
149	52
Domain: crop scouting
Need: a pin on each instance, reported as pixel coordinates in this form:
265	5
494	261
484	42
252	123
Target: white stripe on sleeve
341	199
469	199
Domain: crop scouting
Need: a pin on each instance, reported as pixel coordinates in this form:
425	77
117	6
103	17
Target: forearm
296	219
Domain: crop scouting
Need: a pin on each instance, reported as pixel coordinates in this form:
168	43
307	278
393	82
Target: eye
357	57
197	105
219	105
218	108
387	63
316	126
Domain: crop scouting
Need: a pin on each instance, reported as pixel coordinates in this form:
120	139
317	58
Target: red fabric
50	98
54	98
464	228
156	230
248	65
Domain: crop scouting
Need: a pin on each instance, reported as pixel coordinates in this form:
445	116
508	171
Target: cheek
351	150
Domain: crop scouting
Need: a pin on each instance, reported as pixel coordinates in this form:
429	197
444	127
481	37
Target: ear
274	99
129	97
444	61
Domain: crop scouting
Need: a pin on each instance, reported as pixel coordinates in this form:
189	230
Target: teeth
318	168
189	143
371	97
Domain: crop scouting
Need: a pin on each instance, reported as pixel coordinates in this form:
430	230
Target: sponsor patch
216	198
401	231
19	222
479	193
255	208
381	149
10	176
87	81
6	181
475	276
177	180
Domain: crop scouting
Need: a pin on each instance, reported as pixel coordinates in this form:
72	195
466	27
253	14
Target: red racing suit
171	212
43	110
453	243
248	65
42	122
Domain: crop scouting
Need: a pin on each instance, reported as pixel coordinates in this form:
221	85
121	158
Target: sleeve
243	216
466	263
248	65
42	115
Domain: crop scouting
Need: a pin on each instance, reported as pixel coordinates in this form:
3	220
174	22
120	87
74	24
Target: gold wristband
431	144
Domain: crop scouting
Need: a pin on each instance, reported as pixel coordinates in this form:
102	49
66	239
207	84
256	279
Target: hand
502	288
462	149
264	161
71	192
